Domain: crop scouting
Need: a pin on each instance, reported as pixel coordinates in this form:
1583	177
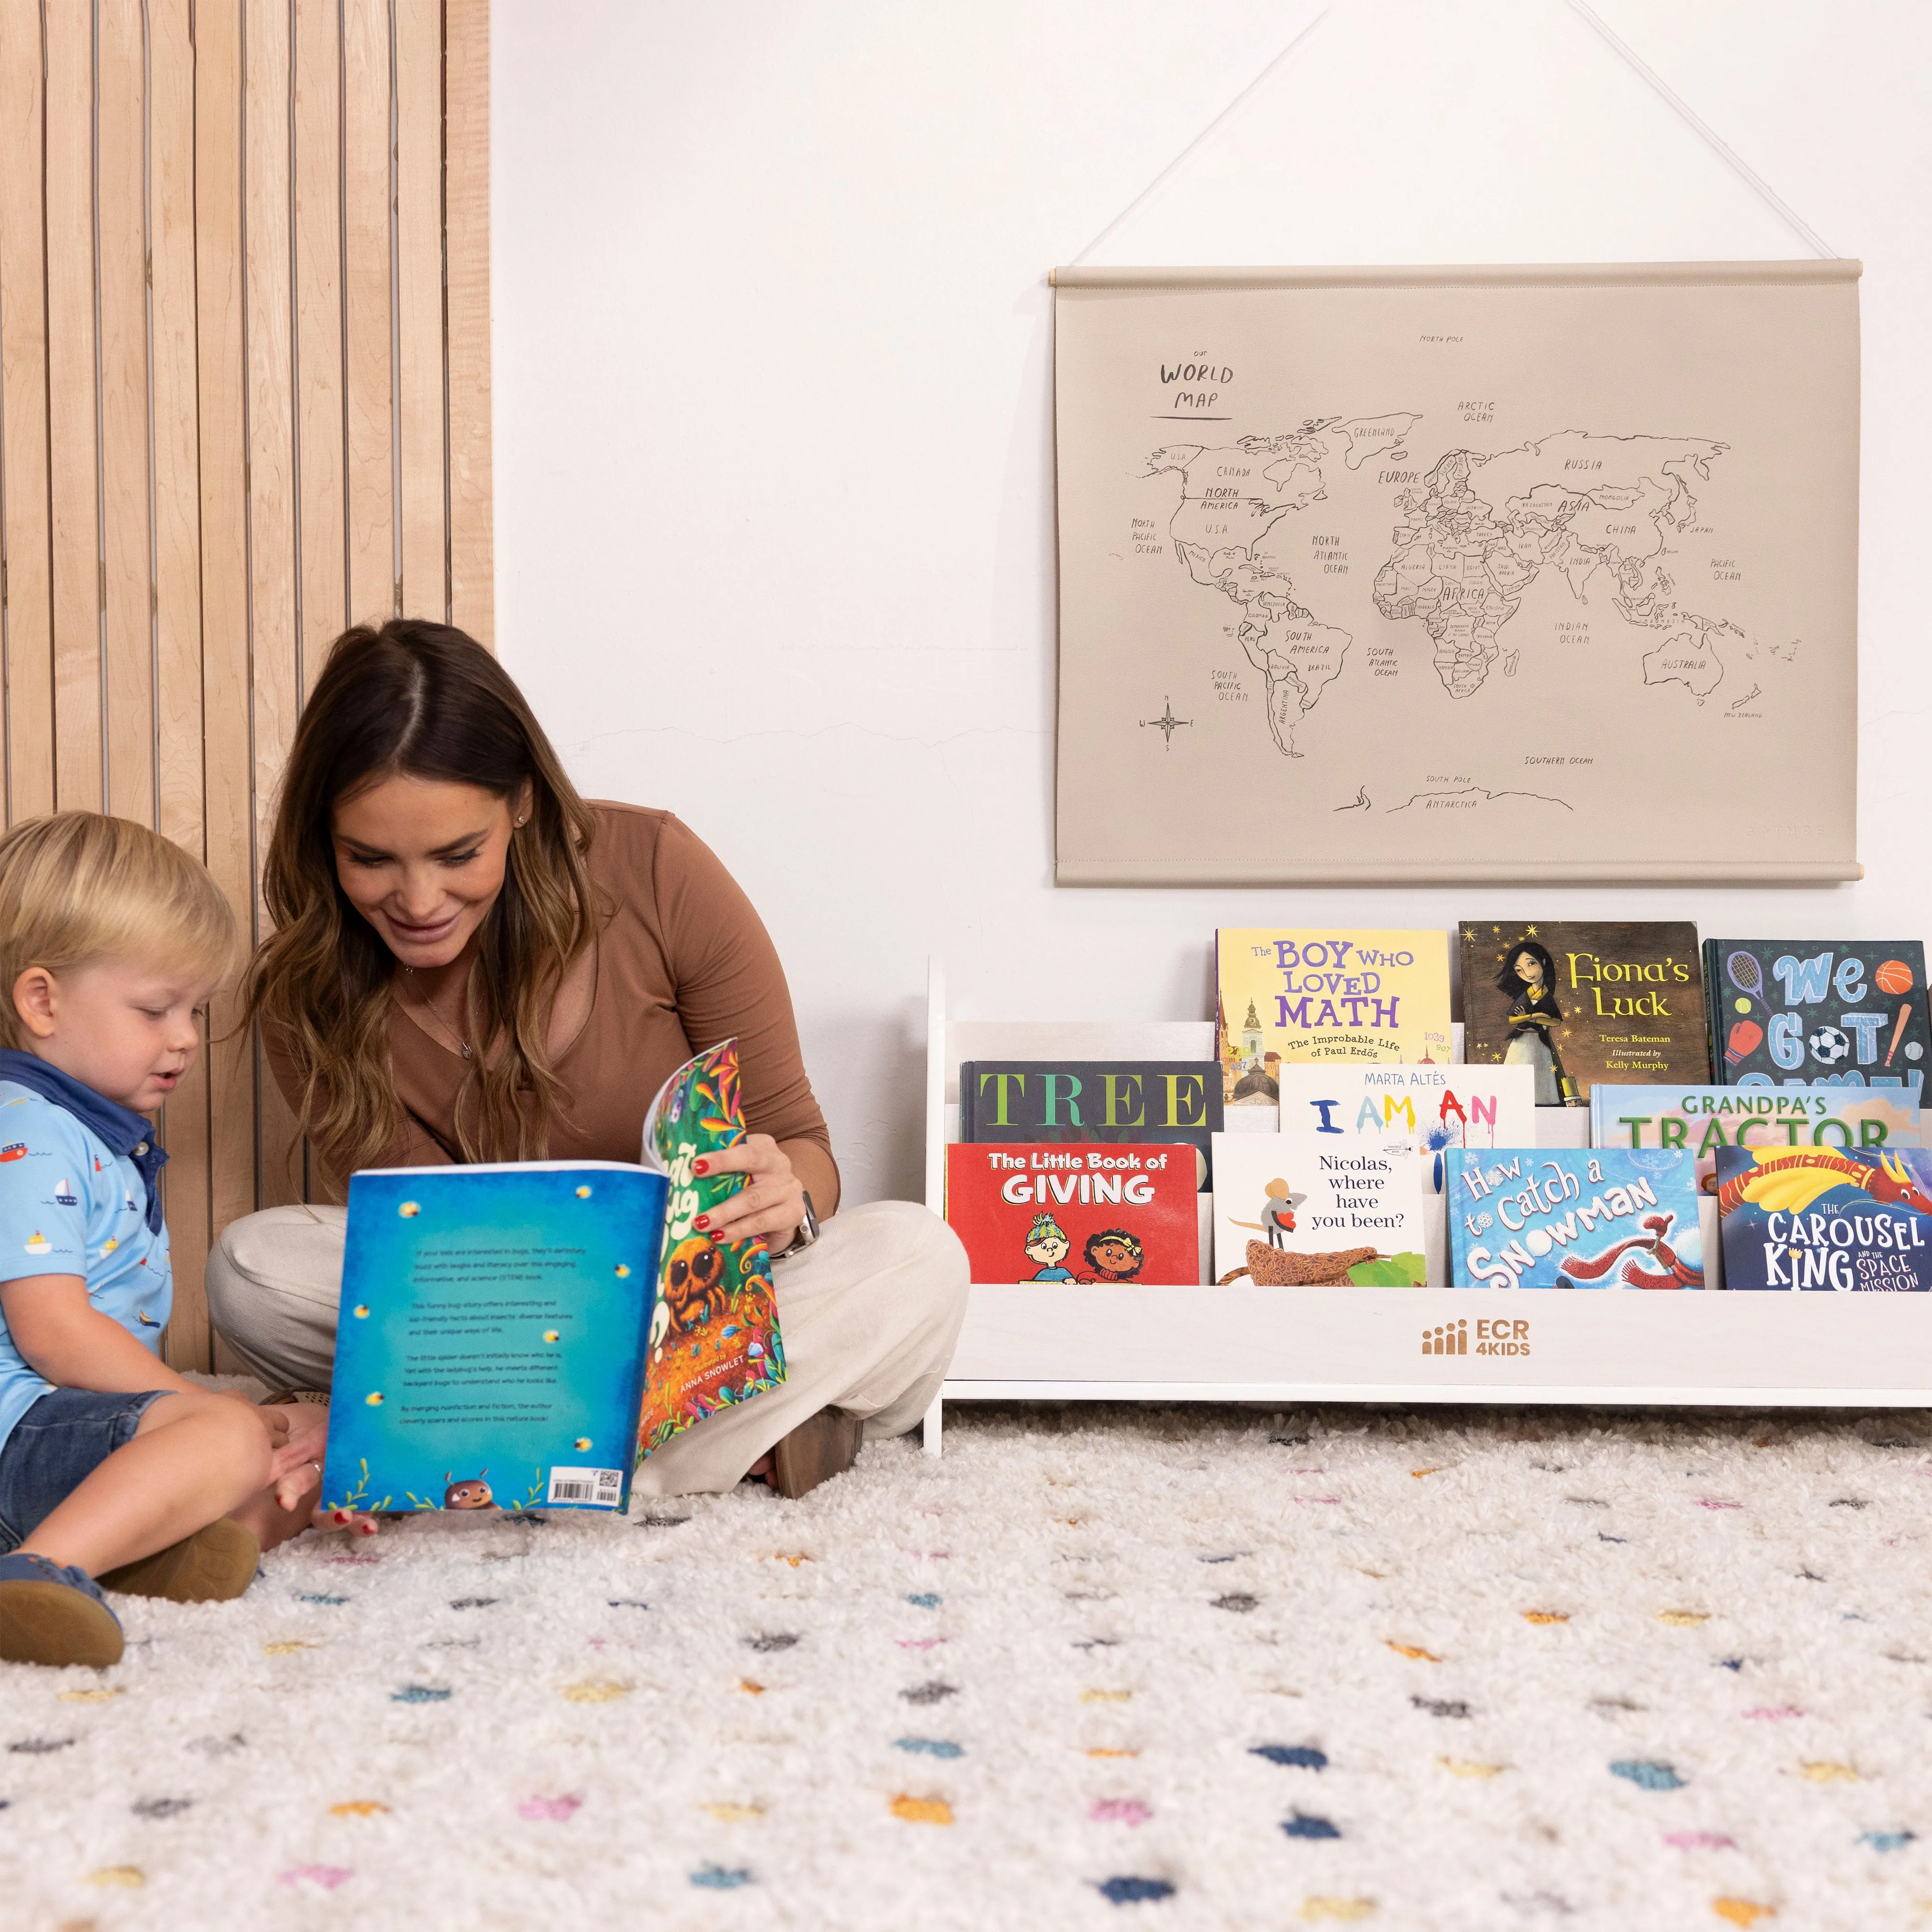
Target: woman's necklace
442	1026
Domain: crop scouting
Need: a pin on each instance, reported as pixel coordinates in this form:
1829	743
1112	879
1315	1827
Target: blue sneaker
51	1613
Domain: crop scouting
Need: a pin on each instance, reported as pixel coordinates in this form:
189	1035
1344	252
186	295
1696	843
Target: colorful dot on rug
1699	1841
922	1810
728	1813
591	1690
1415	1651
931	1746
1742	1911
1124	1891
327	1877
1647	1774
925	1600
419	1693
1302	1757
357	1808
555	1809
1301	1825
1344	1909
721	1878
1887	1841
1120	1811
125	1877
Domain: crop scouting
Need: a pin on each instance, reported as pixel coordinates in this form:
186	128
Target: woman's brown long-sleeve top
683	962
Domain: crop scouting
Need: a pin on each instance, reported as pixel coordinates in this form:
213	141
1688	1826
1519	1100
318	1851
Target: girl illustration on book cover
1530	979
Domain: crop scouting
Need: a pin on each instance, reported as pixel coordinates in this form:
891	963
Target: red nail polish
703	1221
700	1167
342	1516
368	1529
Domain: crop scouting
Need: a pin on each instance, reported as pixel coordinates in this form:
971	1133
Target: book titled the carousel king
1329	993
520	1335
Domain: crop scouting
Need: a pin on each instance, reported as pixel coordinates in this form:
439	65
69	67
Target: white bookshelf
1241	1343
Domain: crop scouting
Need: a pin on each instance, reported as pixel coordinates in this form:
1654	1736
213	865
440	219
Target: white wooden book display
1246	1344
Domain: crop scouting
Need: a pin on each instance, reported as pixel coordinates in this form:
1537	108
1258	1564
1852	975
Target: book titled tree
1103	1102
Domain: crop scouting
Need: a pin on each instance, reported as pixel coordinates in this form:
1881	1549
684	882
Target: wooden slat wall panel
324	583
419	332
74	472
228	766
466	241
173	378
120	191
244	400
368	316
26	615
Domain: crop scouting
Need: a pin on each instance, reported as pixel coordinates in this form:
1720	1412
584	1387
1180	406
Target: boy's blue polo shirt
77	1197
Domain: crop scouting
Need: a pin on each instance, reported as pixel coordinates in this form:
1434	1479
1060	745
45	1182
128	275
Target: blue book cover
495	1325
1845	1219
1574	1217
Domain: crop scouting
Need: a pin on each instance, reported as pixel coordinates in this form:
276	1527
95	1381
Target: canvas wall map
1456	573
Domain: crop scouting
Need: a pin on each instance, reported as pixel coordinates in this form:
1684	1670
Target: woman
1530	979
470	963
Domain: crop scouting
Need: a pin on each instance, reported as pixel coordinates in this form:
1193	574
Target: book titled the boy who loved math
1091	1100
519	1335
1846	1221
1800	1013
1580	1217
1582	1002
1325	994
1705	1119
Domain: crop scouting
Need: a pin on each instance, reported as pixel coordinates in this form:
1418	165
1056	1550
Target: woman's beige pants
869	1314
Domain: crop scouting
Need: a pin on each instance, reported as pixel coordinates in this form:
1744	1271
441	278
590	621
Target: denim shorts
55	1447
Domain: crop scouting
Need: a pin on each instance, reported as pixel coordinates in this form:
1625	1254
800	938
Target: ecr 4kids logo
1495	1335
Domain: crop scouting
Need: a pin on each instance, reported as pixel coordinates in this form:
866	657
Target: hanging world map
1542	619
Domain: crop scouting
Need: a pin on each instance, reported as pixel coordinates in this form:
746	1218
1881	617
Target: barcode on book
600	1488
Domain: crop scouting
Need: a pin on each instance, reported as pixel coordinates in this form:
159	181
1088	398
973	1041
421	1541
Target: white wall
773	351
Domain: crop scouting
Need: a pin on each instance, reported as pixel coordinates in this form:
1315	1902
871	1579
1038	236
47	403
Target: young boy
111	1466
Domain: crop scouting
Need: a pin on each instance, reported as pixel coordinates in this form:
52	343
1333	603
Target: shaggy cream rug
1148	1669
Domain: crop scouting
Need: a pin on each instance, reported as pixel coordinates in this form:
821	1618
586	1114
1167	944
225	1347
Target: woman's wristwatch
807	1231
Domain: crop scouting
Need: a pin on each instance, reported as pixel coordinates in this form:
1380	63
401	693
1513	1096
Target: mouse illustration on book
1046	1243
1277	1212
473	1492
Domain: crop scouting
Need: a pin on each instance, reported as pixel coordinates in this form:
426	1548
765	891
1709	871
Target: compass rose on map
1166	723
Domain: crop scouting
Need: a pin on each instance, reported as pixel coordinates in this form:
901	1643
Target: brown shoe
827	1445
210	1566
51	1613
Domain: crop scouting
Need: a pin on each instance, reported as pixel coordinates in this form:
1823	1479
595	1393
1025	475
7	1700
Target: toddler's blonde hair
76	887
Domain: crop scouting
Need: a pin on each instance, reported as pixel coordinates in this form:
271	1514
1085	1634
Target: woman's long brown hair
421	700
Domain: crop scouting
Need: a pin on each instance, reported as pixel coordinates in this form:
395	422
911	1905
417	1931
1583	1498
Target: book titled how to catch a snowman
520	1335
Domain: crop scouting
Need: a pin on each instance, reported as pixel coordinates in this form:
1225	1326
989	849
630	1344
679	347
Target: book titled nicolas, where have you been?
521	1335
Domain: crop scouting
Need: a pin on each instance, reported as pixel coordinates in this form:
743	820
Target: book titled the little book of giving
519	1335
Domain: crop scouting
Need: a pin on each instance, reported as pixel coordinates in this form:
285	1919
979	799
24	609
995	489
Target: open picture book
519	1335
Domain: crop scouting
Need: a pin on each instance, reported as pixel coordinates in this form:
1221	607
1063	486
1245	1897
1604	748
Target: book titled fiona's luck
1337	993
519	1335
1582	1002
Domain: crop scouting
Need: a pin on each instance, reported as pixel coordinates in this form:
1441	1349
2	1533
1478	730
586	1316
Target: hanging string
1611	38
1645	72
1232	106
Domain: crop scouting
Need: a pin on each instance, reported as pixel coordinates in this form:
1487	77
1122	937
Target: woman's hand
296	1473
772	1202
